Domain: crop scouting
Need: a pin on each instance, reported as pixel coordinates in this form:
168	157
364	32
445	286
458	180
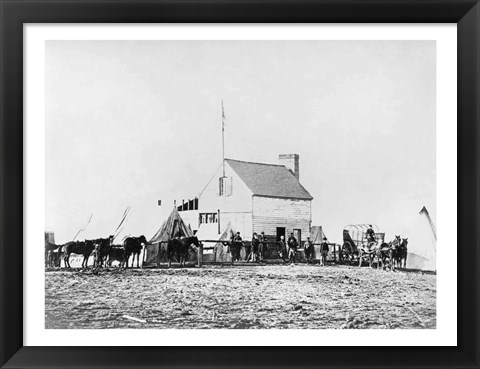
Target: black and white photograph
229	184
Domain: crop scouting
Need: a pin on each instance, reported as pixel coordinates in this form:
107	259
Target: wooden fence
209	253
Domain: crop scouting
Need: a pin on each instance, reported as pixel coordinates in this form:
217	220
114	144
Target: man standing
262	247
281	248
292	247
237	244
308	247
324	251
254	248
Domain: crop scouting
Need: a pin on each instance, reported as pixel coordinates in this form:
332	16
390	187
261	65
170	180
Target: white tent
220	252
208	231
422	243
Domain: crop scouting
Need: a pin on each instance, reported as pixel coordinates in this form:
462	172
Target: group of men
255	251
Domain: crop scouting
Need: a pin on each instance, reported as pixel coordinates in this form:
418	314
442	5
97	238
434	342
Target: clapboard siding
235	208
270	213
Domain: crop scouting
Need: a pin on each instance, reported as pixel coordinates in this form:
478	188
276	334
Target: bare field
240	297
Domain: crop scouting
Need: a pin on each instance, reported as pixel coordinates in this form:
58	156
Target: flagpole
223	140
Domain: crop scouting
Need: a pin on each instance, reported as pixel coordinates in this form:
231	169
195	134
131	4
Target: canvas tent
220	252
156	247
422	243
208	231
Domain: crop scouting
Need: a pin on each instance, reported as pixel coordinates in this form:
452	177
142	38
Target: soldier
324	251
237	244
281	248
254	248
308	247
370	234
262	247
292	248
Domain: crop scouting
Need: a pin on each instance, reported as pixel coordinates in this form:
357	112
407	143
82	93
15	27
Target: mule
180	246
133	246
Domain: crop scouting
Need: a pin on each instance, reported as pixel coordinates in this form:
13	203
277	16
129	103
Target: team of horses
389	255
105	252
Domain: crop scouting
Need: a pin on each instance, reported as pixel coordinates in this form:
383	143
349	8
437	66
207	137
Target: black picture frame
15	13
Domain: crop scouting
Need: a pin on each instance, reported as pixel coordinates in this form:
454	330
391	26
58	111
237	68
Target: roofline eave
285	197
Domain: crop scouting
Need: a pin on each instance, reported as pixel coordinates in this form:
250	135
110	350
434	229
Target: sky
129	123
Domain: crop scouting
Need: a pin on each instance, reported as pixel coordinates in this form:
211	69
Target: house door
297	233
280	232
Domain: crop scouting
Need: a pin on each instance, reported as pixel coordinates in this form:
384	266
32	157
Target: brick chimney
292	162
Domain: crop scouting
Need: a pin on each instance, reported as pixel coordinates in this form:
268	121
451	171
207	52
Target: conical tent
422	243
174	225
222	251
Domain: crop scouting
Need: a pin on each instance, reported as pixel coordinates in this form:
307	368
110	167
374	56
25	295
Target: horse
180	246
84	248
102	249
133	245
401	254
116	253
388	251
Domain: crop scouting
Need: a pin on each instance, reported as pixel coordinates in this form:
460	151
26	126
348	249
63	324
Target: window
208	218
225	186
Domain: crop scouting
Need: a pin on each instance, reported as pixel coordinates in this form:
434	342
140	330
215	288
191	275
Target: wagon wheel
347	251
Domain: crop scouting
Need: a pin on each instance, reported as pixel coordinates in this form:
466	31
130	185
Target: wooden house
254	197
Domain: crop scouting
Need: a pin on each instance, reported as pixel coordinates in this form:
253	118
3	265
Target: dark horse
84	248
102	250
401	254
180	247
133	245
117	253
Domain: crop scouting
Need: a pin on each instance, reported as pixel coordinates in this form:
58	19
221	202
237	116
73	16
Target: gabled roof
269	180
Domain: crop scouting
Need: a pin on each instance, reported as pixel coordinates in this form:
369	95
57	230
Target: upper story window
225	186
208	218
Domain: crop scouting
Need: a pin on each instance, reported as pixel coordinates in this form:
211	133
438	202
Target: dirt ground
241	297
